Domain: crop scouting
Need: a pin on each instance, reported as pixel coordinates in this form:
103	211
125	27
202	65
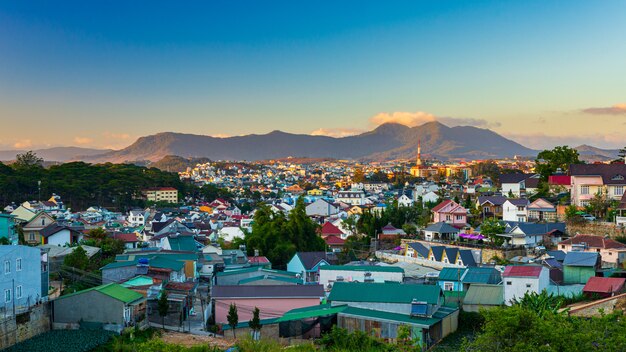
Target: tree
358	176
543	303
77	259
255	323
549	161
233	318
598	205
622	153
27	160
492	228
163	306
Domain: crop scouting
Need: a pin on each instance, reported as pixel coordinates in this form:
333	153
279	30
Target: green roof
311	312
492	295
384	292
119	264
391	317
183	243
113	290
140	280
368	268
161	262
451	274
252	269
270	277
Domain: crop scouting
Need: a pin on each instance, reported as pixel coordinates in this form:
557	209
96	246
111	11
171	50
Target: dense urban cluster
401	254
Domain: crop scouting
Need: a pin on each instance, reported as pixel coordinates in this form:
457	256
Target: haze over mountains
386	142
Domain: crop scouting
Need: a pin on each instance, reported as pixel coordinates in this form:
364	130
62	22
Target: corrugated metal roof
311	312
384	292
113	290
522	271
604	284
492	295
587	259
269	291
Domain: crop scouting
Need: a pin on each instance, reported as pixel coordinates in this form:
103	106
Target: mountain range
388	141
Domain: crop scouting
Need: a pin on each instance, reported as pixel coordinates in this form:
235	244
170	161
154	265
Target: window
459	217
618	190
448	286
562	246
598	250
7	296
509	283
7	267
31	237
520	208
584	189
447	217
18	292
43	222
528	285
18	264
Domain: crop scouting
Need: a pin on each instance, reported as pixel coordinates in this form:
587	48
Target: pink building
272	300
450	212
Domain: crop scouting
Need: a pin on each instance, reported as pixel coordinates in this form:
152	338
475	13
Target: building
307	264
32	229
450	212
329	274
578	267
514	184
379	309
421	170
603	287
481	296
490	206
515	210
521	279
542	210
7	228
272	300
613	253
109	304
461	279
161	194
591	179
352	197
24	278
441	231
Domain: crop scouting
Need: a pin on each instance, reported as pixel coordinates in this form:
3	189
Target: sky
103	73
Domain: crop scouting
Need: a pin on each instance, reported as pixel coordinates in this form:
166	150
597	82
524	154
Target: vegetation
549	161
64	341
255	323
371	223
492	228
77	259
81	184
543	303
163	306
279	237
233	317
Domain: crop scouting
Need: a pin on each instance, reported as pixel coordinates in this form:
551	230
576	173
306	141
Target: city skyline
103	74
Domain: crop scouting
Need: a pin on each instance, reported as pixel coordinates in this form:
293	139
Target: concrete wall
599	307
520	285
118	274
596	228
267	332
91	306
25	326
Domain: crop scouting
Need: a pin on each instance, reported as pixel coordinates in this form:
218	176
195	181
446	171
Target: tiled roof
334	240
593	241
329	229
441	205
612	174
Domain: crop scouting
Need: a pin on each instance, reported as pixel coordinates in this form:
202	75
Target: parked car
588	217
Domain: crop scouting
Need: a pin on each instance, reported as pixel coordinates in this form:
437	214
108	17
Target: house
131	240
620	216
23	214
389	232
110	304
542	210
329	274
32	229
451	256
613	253
321	208
481	296
137	218
450	212
416	250
379	309
352	197
24	278
307	264
7	228
490	206
429	197
405	201
60	235
603	287
441	231
334	243
528	234
520	279
513	183
236	276
272	300
181	243
461	279
591	179
161	194
515	210
329	229
578	267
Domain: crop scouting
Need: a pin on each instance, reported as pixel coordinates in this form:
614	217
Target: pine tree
233	317
163	306
255	323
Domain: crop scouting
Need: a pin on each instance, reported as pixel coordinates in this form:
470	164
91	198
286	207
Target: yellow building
162	194
315	193
419	170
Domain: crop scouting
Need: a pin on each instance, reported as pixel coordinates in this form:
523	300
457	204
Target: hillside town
290	249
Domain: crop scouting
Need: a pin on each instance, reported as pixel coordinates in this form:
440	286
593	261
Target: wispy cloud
24	143
418	118
82	140
336	132
617	109
119	136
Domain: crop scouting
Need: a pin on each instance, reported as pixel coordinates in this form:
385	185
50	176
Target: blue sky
101	74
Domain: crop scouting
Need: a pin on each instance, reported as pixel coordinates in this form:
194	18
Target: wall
518	287
29	277
599	307
353	275
27	325
384	256
596	228
91	306
118	274
577	274
269	307
269	331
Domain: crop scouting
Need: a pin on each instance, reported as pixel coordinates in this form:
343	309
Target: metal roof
589	259
384	292
480	294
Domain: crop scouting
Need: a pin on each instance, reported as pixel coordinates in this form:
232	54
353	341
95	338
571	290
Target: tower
419	153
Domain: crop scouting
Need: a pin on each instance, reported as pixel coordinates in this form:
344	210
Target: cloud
221	135
418	118
540	140
82	140
617	109
337	132
24	143
120	136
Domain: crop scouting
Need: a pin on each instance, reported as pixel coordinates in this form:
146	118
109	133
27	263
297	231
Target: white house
519	279
58	235
330	274
352	197
515	210
405	201
430	197
321	207
136	218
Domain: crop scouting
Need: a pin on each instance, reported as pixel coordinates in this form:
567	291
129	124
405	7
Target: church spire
419	152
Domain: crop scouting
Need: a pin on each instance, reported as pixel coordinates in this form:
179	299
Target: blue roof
419	248
557	255
442	227
475	275
589	259
437	252
467	257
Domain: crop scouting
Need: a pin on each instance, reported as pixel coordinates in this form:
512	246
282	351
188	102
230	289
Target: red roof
593	241
125	237
333	240
561	180
522	271
258	260
330	229
441	205
604	284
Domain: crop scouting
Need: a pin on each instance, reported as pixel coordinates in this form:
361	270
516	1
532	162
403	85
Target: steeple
419	153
